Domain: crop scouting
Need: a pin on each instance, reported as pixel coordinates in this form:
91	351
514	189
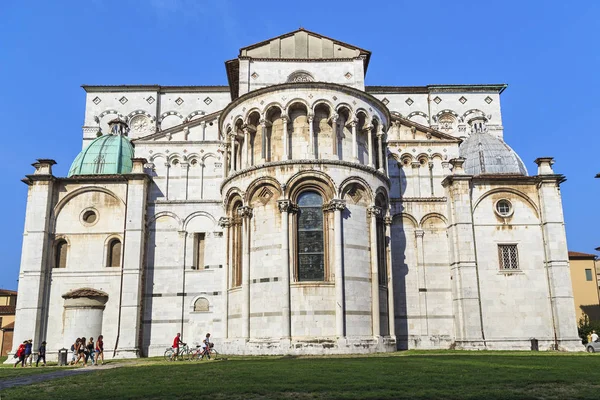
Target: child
41	354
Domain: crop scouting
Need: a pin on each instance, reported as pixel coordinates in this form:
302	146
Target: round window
89	217
504	208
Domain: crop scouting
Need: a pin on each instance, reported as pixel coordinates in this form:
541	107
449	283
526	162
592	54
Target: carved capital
353	123
245	212
284	205
416	164
224	222
335	205
419	233
387	220
374	211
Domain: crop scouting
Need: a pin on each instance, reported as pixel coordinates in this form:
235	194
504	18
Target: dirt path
32	379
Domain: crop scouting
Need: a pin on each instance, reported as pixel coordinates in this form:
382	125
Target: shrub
586	326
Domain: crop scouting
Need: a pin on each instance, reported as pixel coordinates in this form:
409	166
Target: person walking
176	342
90	351
28	352
20	354
100	349
81	352
41	354
74	350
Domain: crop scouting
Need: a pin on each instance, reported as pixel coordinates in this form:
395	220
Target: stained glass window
311	249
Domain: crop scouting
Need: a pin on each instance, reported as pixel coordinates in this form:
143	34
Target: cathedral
296	211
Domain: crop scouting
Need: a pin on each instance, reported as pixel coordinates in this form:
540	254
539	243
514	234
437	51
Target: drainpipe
122	267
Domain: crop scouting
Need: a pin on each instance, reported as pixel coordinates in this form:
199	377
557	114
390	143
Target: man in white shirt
594	336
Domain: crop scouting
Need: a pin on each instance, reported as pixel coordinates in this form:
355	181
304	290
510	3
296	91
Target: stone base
545	344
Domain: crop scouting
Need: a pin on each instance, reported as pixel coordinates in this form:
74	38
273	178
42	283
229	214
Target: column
284	208
380	148
245	149
373	212
233	152
203	125
245	213
263	136
390	283
353	124
225	160
416	179
225	223
334	134
370	145
337	206
421	281
311	133
286	150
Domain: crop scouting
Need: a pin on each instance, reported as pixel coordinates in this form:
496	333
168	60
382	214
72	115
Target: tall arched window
60	260
311	249
113	258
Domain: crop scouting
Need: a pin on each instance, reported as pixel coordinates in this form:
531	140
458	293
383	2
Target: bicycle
184	353
199	353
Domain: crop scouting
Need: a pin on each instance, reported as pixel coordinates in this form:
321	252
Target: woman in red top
21	355
100	349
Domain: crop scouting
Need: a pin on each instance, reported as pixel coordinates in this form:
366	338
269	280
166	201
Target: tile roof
576	254
4	292
7	310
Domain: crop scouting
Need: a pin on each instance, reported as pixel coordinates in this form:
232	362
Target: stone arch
259	183
364	112
433	215
438	156
381	197
200	304
324	102
194	114
250	112
139	112
405	216
174	156
316	180
169	214
169	114
297	100
231	196
446	111
59	206
198	214
518	193
345	186
421	114
346	106
157	155
300	76
406	159
269	108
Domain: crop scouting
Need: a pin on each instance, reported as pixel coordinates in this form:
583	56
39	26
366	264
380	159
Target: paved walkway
59	373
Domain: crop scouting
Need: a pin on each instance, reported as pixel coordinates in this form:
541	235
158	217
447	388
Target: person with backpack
20	354
41	354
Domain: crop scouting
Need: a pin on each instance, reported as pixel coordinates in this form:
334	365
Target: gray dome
487	154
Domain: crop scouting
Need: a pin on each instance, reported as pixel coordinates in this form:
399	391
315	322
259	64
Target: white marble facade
411	251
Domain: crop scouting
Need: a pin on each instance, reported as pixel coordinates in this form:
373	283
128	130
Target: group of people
24	354
86	350
206	345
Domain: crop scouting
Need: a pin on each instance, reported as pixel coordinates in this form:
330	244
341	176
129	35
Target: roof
6	292
488	154
493	87
7	310
84	292
105	155
158	88
583	256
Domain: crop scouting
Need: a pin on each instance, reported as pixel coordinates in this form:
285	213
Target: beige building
585	288
8	302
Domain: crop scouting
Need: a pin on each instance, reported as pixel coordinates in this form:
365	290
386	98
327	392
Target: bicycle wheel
214	355
186	355
168	355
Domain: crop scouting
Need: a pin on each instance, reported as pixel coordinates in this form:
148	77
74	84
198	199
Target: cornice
154	88
500	87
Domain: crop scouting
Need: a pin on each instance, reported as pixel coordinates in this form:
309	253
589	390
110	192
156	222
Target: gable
180	131
406	130
303	45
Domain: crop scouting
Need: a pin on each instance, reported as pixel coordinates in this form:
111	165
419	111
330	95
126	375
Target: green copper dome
106	155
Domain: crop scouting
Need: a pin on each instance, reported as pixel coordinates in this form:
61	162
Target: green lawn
7	371
420	375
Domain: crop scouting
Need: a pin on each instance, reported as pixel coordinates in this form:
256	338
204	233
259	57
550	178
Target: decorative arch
433	215
140	112
419	113
300	76
193	114
250	112
169	113
437	156
518	193
345	105
446	111
323	102
316	180
345	186
59	206
402	215
198	214
297	100
107	112
261	182
231	195
170	214
272	105
175	156
364	112
157	155
200	304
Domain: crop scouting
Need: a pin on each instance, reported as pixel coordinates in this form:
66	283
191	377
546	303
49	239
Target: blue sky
546	51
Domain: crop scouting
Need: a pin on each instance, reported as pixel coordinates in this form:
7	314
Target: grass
414	375
7	371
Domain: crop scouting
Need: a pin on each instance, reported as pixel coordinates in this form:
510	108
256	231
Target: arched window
60	260
201	305
113	258
311	249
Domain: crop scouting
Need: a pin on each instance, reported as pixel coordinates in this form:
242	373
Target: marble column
286	147
334	134
225	160
263	136
233	152
246	148
370	145
311	133
245	213
353	124
380	149
285	208
225	223
421	281
337	206
373	212
390	277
